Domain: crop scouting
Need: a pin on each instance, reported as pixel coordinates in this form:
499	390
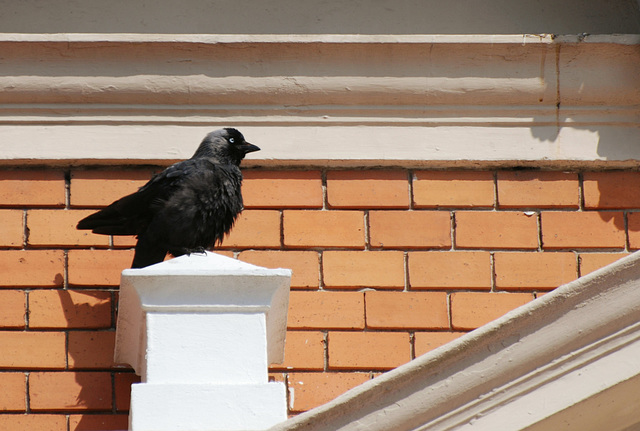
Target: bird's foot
197	250
188	251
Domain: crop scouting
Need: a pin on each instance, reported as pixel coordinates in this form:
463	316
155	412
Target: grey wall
321	16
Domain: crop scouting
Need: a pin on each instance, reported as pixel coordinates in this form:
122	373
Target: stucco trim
567	358
328	100
622	39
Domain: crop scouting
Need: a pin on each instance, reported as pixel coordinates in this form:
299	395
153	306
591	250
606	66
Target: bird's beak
249	148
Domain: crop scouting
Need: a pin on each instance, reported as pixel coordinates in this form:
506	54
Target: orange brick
426	341
277	377
96	188
527	271
470	310
227	253
123	382
453	189
355	269
32	349
399	310
304	264
282	189
124	241
633	225
304	350
607	190
98	422
367	189
309	390
410	229
91	349
70	390
321	310
589	262
129	241
324	229
13	394
450	269
368	350
255	228
32	188
491	229
58	228
69	309
582	230
34	268
12	308
37	422
98	267
11	228
536	189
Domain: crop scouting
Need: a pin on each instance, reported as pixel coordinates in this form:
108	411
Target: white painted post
201	331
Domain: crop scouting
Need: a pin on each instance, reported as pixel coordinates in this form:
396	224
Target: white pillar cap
200	283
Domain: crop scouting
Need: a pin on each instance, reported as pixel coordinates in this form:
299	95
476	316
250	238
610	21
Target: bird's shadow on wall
91	314
615	146
620	145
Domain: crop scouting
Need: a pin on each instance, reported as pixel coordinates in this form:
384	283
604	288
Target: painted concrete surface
567	360
201	331
325	100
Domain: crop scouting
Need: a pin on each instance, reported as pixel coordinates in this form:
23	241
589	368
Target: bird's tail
108	221
119	218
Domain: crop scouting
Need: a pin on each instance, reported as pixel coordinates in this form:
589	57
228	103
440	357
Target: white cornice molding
331	100
622	39
568	360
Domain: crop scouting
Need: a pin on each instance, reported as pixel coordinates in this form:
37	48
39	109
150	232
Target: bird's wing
130	214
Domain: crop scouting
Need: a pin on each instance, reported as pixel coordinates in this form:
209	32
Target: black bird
187	208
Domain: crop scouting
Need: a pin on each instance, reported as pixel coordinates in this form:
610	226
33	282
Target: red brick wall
388	264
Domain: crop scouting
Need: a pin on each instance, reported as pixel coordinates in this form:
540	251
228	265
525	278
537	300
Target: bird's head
226	145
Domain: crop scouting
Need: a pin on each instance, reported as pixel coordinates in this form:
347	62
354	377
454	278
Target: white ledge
285	38
568	360
323	100
623	39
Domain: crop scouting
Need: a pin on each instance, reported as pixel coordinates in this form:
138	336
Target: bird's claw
198	250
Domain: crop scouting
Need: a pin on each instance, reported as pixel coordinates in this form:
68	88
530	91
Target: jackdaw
189	207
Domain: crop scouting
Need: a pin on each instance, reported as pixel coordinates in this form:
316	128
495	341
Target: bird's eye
232	141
